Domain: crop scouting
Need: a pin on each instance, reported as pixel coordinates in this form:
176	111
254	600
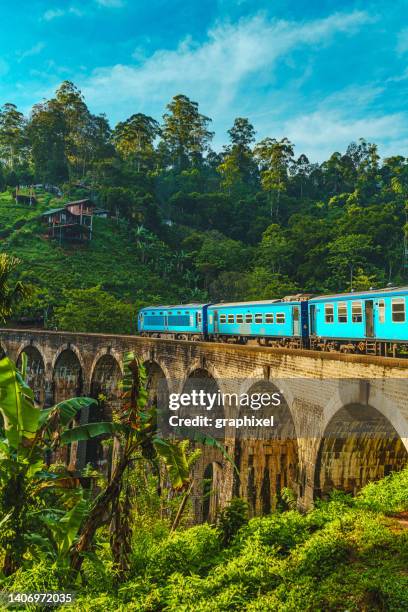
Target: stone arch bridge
343	420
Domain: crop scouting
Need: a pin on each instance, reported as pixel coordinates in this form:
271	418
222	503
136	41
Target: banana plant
26	432
135	427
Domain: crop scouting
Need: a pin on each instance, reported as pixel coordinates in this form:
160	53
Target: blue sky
321	72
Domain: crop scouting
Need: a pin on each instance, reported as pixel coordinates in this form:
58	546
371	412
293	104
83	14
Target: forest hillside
255	220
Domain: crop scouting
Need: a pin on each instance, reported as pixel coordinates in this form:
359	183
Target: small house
70	222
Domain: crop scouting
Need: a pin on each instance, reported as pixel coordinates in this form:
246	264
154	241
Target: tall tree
242	133
47	132
185	131
134	139
275	157
78	123
13	140
238	168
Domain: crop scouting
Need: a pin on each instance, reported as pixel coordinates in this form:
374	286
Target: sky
322	73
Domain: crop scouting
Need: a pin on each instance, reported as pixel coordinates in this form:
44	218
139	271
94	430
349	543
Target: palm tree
10	291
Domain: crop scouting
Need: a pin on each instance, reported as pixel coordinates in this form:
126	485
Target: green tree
13	138
93	310
11	291
47	131
185	132
275	249
134	139
346	253
218	253
238	168
80	130
275	157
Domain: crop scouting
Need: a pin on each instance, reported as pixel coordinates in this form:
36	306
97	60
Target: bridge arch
213	472
362	391
106	374
36	370
101	353
68	373
359	444
267	457
157	385
73	349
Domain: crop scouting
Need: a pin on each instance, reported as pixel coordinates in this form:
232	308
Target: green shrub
323	552
190	551
231	519
283	530
387	495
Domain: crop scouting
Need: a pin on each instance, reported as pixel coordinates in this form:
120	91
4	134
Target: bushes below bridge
346	554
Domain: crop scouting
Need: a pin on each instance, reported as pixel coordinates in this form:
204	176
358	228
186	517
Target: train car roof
360	294
251	303
180	306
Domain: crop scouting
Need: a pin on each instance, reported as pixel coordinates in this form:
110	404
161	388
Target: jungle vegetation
254	220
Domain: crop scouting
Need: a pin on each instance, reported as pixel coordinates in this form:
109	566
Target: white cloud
51	14
224	75
35	50
322	132
213	71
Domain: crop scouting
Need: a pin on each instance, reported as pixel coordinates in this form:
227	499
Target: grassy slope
110	260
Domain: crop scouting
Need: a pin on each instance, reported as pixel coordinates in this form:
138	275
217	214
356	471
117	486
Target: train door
312	323
296	321
369	318
166	320
216	329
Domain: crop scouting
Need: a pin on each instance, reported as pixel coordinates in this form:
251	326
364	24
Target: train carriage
282	322
368	321
179	322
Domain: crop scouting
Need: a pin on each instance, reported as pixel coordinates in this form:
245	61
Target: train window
199	318
269	317
223	319
381	311
240	319
248	318
329	313
342	312
230	318
398	310
258	317
179	312
356	312
280	317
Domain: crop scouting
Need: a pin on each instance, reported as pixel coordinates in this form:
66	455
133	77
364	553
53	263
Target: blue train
360	322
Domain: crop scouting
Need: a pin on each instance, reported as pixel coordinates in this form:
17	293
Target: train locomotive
369	322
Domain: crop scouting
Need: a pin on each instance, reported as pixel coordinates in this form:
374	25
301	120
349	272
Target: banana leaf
21	417
69	526
67	409
175	458
91	430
